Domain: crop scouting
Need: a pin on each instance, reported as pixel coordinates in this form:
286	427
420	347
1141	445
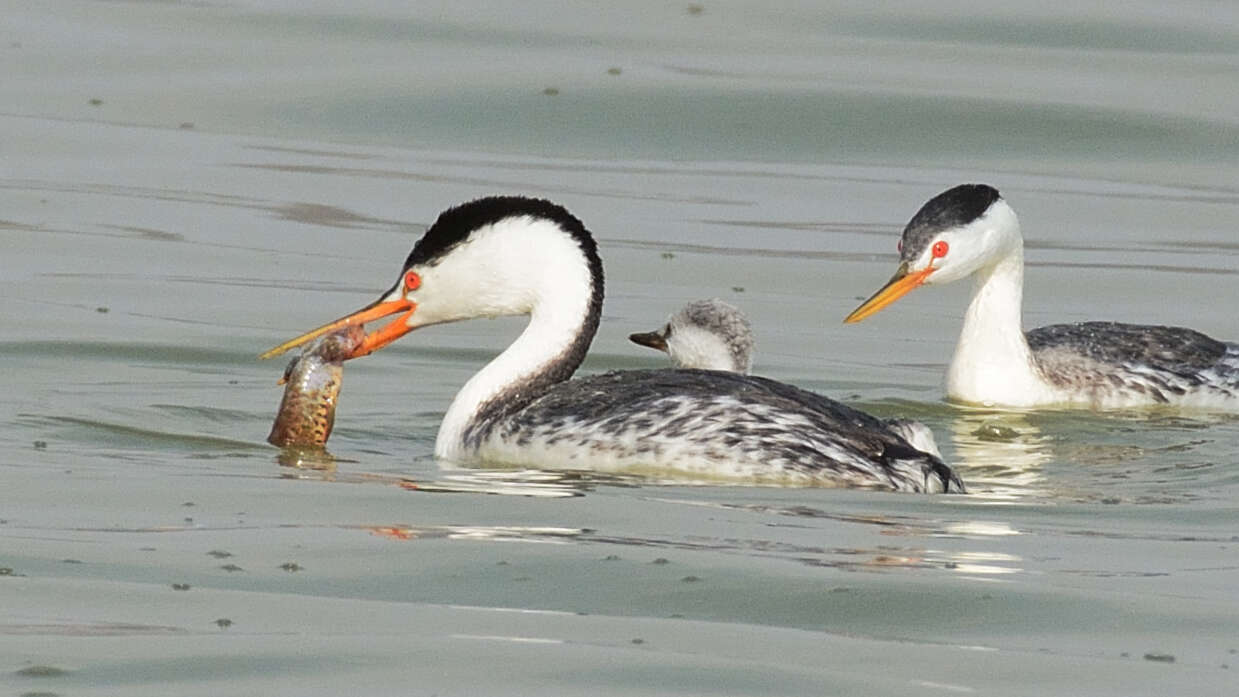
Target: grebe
970	230
519	256
704	334
715	335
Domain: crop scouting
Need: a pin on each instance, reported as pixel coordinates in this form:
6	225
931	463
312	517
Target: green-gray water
250	170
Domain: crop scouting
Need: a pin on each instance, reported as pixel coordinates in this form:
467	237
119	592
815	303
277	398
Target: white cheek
948	270
693	347
942	271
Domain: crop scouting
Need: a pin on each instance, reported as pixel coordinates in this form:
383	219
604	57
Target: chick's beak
902	282
654	340
383	307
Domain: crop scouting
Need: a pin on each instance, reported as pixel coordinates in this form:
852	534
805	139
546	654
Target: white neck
547	277
993	363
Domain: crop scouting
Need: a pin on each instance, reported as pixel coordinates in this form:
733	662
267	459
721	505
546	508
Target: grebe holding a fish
511	255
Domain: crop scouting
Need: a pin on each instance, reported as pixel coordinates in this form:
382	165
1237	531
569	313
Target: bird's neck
563	320
993	363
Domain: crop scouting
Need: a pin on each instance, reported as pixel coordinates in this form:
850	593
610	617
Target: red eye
940	249
411	280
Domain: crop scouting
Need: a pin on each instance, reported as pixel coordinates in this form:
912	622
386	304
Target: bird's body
517	256
708	424
1108	364
715	335
970	230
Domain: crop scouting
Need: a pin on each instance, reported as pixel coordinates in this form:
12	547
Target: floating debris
994	433
223	623
41	672
1159	657
551	91
614	71
180	586
291	566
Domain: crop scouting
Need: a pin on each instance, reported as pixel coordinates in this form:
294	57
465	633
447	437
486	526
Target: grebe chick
715	335
704	334
971	231
518	256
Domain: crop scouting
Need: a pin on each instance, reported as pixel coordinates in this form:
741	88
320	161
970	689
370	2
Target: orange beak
896	288
374	340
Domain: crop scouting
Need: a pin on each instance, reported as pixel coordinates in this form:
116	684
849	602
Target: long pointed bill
654	340
896	288
374	340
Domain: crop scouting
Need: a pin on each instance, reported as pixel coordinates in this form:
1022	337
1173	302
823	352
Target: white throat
993	364
691	346
542	272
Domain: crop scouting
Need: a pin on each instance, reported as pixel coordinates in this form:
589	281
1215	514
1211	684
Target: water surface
252	170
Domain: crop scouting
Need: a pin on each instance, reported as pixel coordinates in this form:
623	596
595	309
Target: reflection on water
984	563
307	463
914	550
319	464
475	533
999	453
980	528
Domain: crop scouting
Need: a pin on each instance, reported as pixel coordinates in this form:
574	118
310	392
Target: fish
312	387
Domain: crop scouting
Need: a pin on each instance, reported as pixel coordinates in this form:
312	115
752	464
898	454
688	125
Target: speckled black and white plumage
503	256
715	335
1117	362
970	231
711	424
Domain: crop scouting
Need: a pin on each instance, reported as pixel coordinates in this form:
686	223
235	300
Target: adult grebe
715	335
519	256
970	230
